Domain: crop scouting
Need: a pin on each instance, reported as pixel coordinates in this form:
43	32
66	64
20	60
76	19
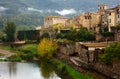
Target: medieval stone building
49	21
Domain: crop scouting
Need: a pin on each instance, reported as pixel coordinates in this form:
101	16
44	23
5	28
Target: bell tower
102	7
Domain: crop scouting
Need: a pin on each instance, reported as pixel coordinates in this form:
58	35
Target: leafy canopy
111	53
81	35
47	48
9	30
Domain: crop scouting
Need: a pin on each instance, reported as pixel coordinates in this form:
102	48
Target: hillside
29	13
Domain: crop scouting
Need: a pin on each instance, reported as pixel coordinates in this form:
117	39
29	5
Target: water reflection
47	71
26	71
12	69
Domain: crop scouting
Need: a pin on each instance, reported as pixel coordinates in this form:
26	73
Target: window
118	22
103	7
85	17
118	16
89	17
109	13
109	20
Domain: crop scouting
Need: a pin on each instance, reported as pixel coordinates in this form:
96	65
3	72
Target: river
15	70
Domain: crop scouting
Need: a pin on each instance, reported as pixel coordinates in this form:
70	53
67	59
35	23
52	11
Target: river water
12	70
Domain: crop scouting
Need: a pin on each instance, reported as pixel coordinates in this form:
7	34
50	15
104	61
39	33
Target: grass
69	70
6	48
1	54
30	50
25	52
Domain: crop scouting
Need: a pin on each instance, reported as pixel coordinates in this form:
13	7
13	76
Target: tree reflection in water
12	69
46	70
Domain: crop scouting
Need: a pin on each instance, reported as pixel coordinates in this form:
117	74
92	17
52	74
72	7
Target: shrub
111	53
28	51
15	58
10	30
47	48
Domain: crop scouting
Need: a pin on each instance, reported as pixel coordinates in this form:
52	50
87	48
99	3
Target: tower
102	7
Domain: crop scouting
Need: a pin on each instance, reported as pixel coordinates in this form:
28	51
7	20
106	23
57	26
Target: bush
65	69
59	35
15	58
45	35
1	54
47	48
3	37
111	53
81	35
28	52
107	34
10	30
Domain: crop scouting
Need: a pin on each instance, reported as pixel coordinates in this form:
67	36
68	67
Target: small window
90	17
118	22
103	7
109	13
85	17
110	21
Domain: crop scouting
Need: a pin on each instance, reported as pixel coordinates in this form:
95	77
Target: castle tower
102	7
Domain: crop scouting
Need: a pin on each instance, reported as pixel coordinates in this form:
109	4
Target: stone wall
90	58
111	72
81	50
66	48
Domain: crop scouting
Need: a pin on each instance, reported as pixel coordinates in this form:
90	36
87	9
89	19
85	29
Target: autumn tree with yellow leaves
47	48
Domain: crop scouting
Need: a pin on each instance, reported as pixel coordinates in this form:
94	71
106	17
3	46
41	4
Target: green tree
47	48
118	26
72	35
107	35
59	35
81	35
85	35
111	53
9	30
45	35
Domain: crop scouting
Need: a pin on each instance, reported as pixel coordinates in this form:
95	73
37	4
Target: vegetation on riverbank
29	51
76	35
65	69
26	52
1	54
7	48
111	54
47	48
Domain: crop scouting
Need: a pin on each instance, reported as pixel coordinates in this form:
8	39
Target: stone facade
105	18
66	48
117	35
76	48
88	59
102	7
75	22
89	20
109	17
118	14
51	20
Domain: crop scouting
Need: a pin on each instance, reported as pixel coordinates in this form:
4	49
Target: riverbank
4	54
26	53
80	69
66	69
